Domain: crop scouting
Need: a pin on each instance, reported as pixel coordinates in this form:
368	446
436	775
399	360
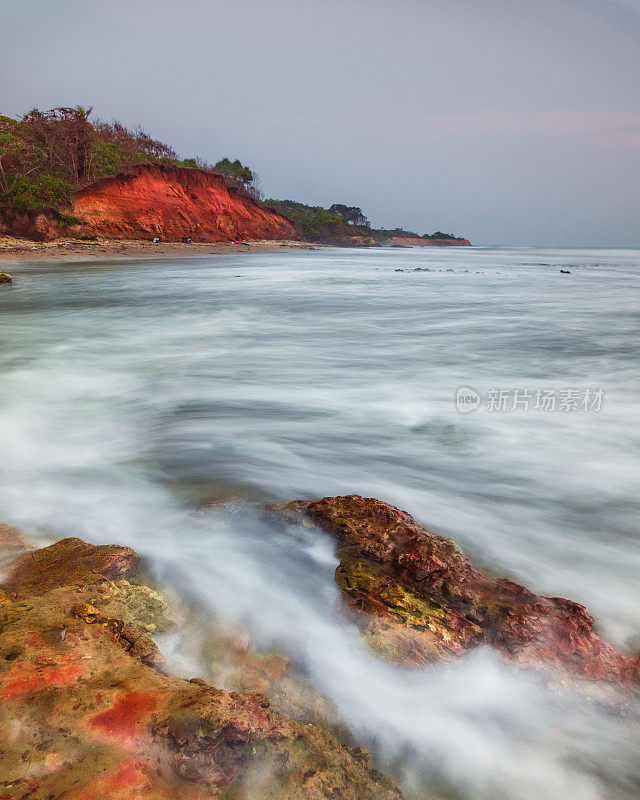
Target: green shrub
68	219
107	158
40	191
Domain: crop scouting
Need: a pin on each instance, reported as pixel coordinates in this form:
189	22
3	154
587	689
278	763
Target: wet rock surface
4	278
417	597
86	713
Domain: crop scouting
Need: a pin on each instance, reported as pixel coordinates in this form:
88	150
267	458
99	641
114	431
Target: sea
493	393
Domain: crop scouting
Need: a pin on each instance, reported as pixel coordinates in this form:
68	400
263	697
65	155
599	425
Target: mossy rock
405	626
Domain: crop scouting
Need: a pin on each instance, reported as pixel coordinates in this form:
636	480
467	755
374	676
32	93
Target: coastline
15	249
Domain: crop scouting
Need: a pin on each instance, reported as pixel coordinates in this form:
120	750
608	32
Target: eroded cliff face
40	225
171	203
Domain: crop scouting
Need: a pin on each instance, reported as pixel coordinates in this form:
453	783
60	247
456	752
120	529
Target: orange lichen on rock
173	203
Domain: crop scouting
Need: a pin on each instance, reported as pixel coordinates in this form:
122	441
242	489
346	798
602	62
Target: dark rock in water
565	271
417	597
4	278
417	269
90	716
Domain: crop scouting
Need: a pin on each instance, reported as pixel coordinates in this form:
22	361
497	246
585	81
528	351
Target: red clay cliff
173	203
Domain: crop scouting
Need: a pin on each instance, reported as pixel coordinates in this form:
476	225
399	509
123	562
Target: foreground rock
418	597
85	713
4	278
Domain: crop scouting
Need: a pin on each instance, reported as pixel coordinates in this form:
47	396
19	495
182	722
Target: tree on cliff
63	137
352	214
238	176
45	155
18	158
313	223
441	235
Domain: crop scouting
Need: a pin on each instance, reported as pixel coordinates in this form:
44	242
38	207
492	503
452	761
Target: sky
512	122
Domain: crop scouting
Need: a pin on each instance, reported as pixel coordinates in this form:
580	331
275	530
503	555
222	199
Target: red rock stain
121	719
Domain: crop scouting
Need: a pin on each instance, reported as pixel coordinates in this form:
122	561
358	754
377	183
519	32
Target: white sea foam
130	392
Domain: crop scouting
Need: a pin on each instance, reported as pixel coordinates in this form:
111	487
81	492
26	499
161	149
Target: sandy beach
12	248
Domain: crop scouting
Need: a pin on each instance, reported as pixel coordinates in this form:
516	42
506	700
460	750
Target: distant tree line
312	223
326	225
401	233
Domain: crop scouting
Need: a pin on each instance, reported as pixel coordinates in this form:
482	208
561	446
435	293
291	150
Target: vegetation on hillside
338	222
314	223
46	155
404	234
352	214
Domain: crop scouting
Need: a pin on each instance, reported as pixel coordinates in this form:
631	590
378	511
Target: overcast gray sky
510	121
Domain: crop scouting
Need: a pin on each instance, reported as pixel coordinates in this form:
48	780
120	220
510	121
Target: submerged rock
418	597
85	712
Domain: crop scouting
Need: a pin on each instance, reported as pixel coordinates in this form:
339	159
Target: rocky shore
87	710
